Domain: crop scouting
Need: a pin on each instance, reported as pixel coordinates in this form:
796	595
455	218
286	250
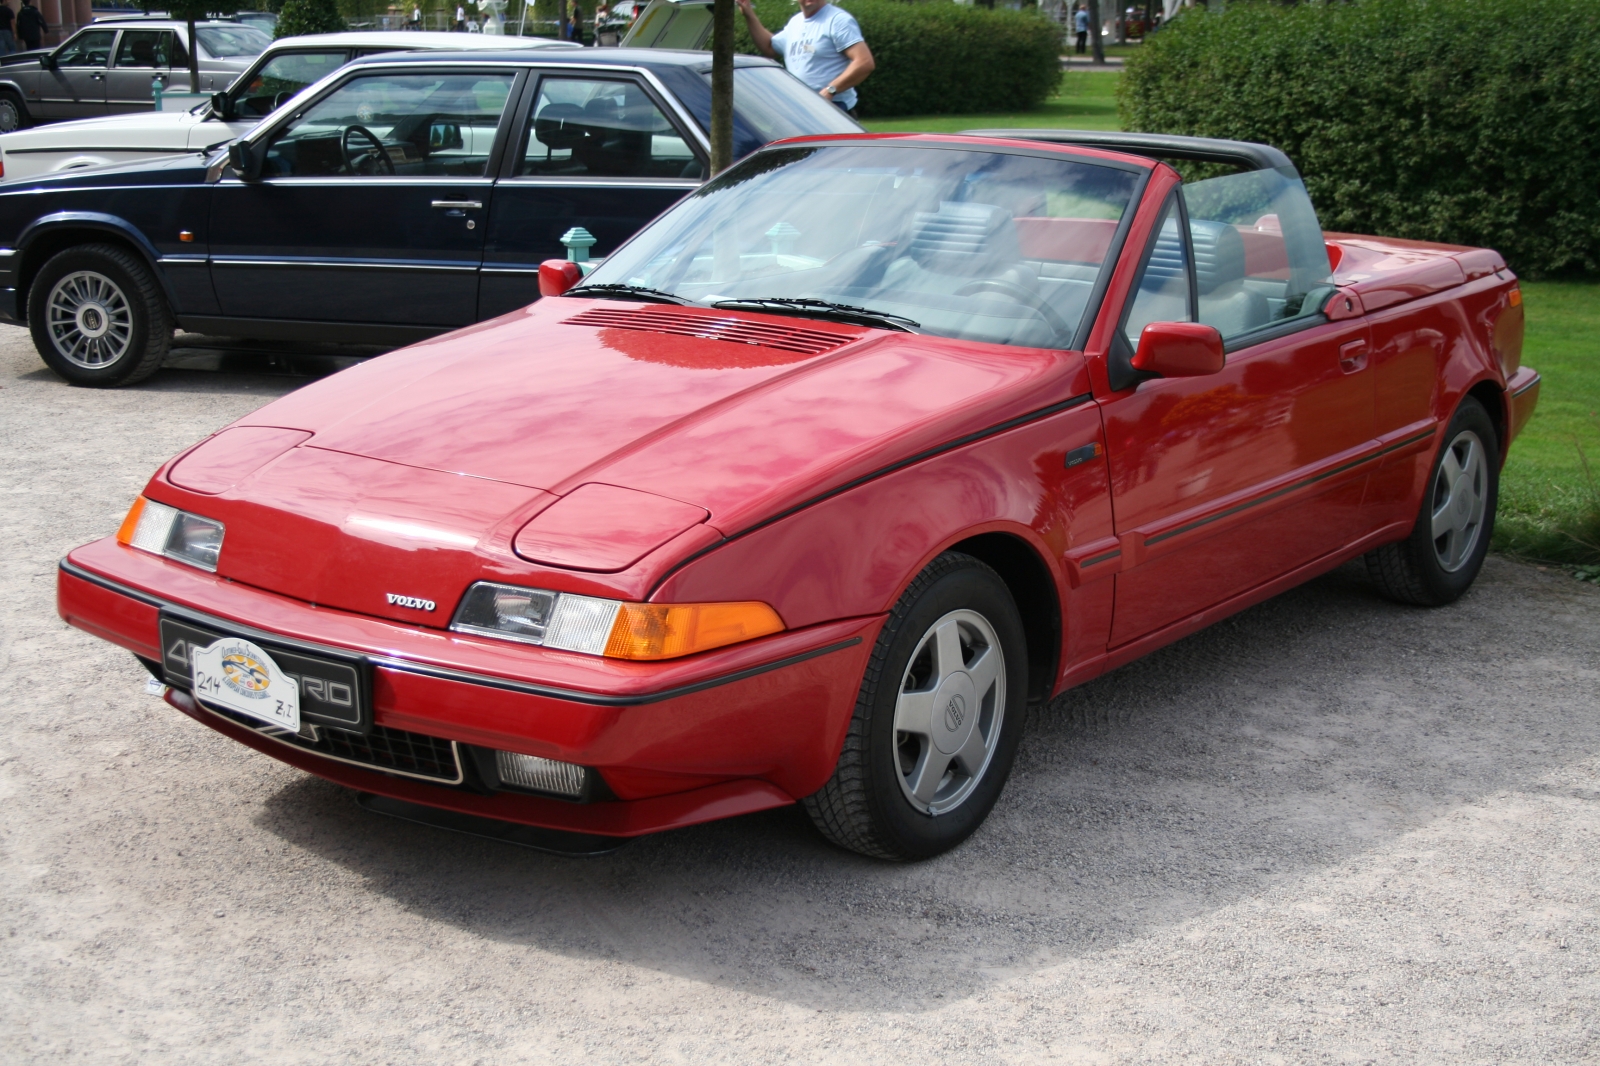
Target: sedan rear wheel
937	719
13	116
98	317
1442	556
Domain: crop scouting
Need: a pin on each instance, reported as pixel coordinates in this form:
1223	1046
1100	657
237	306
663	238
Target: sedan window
284	74
92	49
386	125
603	129
148	48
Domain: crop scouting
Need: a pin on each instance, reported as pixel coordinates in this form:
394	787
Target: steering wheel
376	152
1021	295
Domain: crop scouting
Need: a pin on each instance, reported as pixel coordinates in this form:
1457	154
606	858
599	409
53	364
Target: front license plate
235	673
331	691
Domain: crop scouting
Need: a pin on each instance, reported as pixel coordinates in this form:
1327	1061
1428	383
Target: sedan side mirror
221	106
1179	350
48	61
242	159
556	276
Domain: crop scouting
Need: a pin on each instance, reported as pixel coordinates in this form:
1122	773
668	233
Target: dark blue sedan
404	196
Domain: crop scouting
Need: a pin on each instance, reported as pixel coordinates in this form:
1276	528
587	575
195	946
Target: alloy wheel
10	116
90	320
948	712
1460	497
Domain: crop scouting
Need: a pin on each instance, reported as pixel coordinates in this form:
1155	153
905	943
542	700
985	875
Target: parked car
402	197
107	68
280	72
814	487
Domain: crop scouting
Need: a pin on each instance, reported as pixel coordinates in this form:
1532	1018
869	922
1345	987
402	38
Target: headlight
609	627
162	530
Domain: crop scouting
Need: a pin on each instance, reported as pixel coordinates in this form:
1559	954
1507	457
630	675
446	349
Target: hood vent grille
714	327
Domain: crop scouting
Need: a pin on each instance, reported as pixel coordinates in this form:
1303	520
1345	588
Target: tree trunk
721	86
1095	44
194	59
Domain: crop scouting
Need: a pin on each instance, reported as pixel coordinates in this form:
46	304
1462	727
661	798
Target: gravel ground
1328	830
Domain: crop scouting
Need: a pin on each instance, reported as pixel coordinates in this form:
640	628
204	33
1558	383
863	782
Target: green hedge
1468	121
298	17
940	57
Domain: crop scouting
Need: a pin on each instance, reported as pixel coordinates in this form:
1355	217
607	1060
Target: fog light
540	775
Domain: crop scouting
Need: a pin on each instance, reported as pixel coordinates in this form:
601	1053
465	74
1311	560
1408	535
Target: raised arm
758	33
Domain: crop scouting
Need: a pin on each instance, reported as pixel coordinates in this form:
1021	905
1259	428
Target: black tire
867	805
1426	570
13	113
114	292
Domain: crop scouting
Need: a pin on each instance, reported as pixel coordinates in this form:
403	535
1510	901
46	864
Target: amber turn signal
1515	298
666	631
131	523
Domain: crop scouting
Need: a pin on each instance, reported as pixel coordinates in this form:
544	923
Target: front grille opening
394	751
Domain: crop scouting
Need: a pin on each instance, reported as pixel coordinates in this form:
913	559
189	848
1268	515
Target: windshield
778	105
288	72
977	245
227	42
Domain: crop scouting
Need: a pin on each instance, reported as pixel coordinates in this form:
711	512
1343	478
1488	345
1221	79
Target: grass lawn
1546	496
1085	101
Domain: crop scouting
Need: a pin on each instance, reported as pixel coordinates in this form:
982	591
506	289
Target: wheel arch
1033	589
1494	400
52	234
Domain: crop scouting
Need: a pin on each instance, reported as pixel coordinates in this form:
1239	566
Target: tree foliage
299	17
1462	121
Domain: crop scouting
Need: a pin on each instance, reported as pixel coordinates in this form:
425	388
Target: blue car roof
649	58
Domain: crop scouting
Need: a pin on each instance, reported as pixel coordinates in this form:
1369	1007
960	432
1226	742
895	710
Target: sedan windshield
231	42
983	246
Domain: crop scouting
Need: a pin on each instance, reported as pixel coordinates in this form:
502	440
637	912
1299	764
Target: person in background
31	26
8	20
1080	25
821	45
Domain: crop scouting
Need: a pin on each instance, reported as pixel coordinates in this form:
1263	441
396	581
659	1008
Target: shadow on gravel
1291	738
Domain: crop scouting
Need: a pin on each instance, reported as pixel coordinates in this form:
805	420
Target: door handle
460	205
97	77
1353	357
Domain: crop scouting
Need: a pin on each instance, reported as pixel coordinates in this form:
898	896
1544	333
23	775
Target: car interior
593	128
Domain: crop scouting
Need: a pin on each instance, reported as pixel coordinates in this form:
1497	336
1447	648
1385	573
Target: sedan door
76	87
370	204
143	56
1223	482
596	152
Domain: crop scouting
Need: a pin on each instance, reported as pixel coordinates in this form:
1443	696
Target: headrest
1218	254
559	126
965	239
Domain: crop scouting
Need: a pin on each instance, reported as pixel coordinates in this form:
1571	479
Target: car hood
568	392
187	168
142	120
603	448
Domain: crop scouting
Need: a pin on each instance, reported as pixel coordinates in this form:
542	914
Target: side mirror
1179	350
48	61
443	136
242	159
221	106
556	276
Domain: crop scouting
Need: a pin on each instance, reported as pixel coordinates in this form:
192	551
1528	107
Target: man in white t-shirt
821	45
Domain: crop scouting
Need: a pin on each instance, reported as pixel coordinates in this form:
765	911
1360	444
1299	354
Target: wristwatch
830	90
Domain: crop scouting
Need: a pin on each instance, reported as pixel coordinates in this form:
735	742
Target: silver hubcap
947	716
1460	495
90	321
10	118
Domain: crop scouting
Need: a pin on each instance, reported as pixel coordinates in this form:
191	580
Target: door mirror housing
221	106
243	160
1179	350
556	276
48	61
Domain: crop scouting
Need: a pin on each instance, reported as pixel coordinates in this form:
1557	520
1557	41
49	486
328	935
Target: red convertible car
814	486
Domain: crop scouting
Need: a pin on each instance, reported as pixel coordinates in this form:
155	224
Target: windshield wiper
627	292
780	305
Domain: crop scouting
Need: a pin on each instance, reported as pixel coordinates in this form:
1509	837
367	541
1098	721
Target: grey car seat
1219	266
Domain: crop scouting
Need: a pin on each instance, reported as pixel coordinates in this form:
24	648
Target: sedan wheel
1442	556
937	719
98	317
11	114
90	322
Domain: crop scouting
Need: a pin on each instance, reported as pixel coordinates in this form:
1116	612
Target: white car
285	68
